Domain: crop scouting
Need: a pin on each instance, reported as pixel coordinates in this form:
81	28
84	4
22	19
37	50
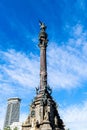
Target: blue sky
66	22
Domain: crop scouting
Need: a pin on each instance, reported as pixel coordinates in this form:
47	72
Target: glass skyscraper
13	111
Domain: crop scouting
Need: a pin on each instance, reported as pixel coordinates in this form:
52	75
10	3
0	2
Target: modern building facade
13	111
43	110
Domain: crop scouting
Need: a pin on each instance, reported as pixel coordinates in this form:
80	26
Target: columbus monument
43	110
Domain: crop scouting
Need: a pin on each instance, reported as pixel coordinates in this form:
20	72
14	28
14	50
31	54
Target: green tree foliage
7	128
15	128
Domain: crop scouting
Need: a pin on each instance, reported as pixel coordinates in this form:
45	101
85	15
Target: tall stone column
43	64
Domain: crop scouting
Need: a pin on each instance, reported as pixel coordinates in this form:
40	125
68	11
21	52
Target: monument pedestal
46	125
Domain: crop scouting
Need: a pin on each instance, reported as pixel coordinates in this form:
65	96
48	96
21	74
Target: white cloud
75	116
21	68
66	62
65	67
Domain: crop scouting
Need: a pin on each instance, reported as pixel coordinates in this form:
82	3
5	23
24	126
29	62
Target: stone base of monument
25	127
58	129
46	125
